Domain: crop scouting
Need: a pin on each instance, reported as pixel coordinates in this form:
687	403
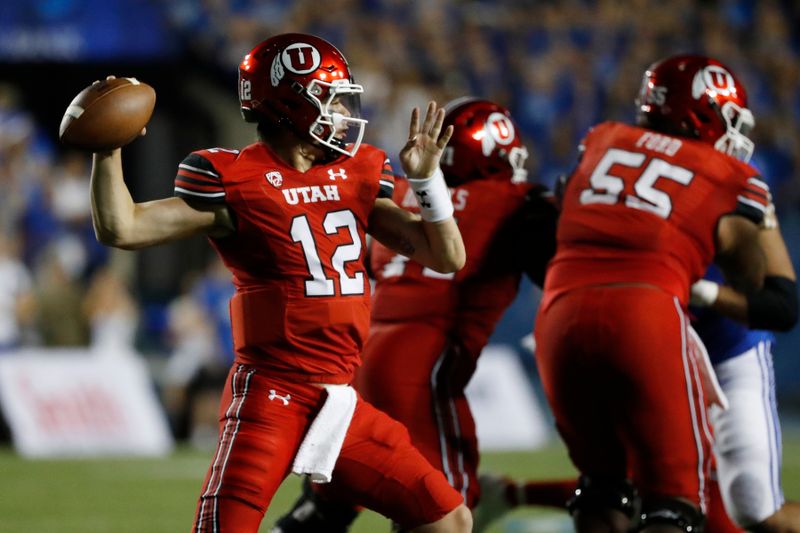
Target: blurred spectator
16	298
59	295
112	313
199	325
22	161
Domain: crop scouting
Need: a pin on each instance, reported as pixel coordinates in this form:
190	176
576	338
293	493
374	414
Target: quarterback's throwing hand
420	156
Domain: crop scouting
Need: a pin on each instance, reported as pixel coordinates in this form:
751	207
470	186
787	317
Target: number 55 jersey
643	207
301	308
637	227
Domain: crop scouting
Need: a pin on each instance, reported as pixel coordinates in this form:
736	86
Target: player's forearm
445	247
731	303
773	307
122	223
436	245
739	254
112	204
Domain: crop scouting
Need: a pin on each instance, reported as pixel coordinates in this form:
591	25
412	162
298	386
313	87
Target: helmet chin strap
334	122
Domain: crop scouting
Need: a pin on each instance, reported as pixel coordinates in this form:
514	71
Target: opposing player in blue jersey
747	445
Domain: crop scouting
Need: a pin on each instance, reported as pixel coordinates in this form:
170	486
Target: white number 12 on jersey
320	284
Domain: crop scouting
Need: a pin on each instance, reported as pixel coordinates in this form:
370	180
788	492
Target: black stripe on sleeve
386	189
199	162
749	212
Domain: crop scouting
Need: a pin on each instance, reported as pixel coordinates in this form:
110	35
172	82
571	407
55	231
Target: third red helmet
697	97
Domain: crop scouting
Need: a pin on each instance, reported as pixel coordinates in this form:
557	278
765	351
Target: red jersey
301	307
643	207
493	217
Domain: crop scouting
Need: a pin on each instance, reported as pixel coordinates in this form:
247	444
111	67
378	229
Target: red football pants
263	420
626	395
411	372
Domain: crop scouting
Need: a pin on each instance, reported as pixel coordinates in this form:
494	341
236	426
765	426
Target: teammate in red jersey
289	216
645	212
428	329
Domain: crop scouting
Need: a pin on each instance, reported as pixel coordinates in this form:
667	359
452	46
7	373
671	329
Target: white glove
703	293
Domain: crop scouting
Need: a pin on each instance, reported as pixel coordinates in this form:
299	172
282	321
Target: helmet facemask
333	129
517	157
739	122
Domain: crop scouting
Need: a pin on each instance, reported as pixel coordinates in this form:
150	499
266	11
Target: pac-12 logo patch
300	58
275	178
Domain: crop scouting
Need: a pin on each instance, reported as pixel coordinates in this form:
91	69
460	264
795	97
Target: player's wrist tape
704	293
433	197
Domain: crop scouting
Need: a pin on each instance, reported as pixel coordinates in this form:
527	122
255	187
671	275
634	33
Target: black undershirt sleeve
774	306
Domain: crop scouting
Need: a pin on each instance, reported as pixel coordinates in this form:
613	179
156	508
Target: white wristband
703	293
433	197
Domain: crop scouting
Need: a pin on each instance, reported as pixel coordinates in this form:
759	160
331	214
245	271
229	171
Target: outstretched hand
420	156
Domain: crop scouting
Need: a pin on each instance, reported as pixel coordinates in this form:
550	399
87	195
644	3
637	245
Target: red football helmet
485	143
303	82
697	97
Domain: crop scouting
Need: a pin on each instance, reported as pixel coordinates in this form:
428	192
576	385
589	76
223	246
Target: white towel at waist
321	446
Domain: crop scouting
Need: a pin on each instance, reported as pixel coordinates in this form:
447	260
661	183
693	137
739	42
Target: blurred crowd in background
559	66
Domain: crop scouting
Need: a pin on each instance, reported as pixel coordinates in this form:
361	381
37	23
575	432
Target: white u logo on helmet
300	58
714	78
500	131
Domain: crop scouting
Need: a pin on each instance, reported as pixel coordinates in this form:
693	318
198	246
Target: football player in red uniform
289	216
428	329
645	212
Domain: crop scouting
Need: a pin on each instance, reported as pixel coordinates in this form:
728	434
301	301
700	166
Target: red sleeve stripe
197	178
757	192
181	190
190	168
756	196
752	203
188	183
758	183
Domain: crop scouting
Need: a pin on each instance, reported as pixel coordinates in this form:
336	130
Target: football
107	114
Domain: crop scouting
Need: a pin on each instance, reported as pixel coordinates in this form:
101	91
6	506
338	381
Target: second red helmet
486	143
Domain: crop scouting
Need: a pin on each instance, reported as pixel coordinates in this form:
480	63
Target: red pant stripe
225	443
444	407
440	421
692	383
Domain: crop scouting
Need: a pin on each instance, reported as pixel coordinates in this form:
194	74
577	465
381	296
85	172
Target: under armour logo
421	195
284	399
333	175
